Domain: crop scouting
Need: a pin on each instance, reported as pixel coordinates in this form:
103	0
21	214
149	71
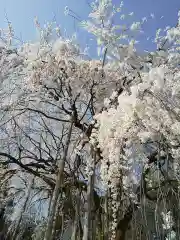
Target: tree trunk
58	186
56	218
2	223
89	216
77	229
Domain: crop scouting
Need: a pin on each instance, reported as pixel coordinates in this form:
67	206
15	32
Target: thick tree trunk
123	224
56	218
58	186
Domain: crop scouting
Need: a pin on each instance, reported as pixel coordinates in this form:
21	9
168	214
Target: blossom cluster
146	110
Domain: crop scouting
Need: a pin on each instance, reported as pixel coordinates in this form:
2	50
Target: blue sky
21	13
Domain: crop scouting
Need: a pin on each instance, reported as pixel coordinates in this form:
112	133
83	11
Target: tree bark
56	217
88	225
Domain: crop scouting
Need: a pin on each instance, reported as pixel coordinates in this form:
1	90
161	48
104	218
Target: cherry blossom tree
101	137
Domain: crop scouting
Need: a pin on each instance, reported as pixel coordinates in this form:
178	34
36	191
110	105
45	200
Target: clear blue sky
21	13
